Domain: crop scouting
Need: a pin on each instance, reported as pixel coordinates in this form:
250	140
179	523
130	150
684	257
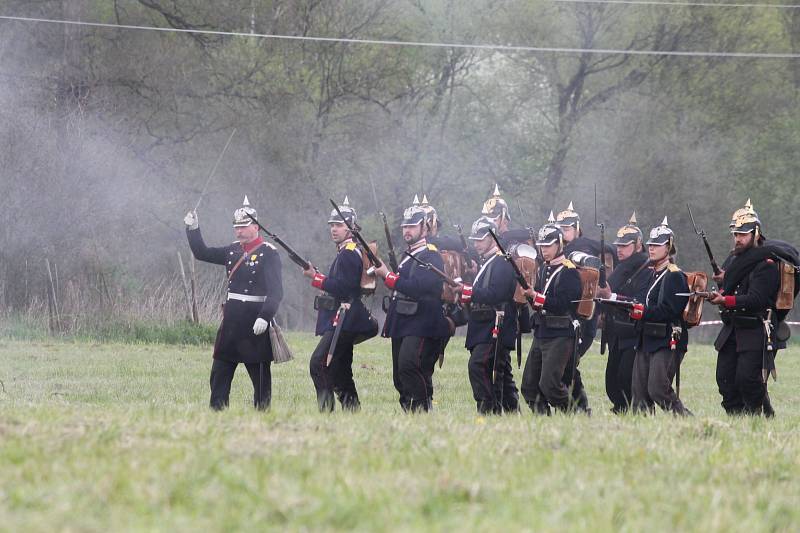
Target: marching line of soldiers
501	283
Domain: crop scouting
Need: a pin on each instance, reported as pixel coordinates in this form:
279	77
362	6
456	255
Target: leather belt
245	297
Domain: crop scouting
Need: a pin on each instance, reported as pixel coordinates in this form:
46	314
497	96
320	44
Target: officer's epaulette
350	246
569	264
674	268
432	248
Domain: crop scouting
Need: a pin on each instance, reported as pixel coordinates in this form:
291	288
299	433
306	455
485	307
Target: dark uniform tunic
750	285
416	324
554	338
490	359
656	363
630	282
256	276
342	284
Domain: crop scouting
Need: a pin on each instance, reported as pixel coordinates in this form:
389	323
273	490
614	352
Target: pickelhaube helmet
431	217
745	220
495	206
629	233
663	235
569	217
550	233
413	215
240	218
482	227
348	212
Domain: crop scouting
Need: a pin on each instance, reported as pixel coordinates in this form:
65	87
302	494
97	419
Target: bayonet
702	234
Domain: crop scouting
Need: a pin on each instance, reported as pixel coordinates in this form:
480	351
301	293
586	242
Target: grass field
99	437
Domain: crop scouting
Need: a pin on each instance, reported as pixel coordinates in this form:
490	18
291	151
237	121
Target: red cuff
318	280
637	311
391	279
539	299
466	294
730	301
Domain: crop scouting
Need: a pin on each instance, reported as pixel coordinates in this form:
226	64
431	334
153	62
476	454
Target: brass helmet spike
632	220
416	200
346	202
551	218
496	192
424	199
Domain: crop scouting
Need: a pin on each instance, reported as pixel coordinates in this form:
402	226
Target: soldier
663	334
554	341
340	303
570	223
496	208
748	303
254	293
414	318
457	264
492	327
628	281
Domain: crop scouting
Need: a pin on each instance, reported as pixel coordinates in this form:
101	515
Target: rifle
517	272
372	259
602	226
702	234
214	169
447	279
392	256
701	294
622	304
294	256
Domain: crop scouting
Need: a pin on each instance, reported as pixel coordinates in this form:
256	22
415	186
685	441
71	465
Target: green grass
98	437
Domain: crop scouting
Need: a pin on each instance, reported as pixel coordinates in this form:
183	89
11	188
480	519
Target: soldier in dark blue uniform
446	245
254	292
628	281
496	208
492	327
414	318
341	296
570	223
663	334
748	299
557	286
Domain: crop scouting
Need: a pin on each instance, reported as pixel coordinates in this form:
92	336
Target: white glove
260	326
191	220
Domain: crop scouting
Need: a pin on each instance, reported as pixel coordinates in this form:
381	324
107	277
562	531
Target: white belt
245	297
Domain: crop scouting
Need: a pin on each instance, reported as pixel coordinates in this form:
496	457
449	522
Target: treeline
110	134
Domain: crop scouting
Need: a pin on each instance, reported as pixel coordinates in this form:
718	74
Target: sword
498	324
338	320
767	360
576	326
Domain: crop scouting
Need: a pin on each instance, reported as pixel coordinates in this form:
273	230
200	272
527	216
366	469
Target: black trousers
413	361
493	386
619	375
338	377
739	380
653	373
542	383
222	376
